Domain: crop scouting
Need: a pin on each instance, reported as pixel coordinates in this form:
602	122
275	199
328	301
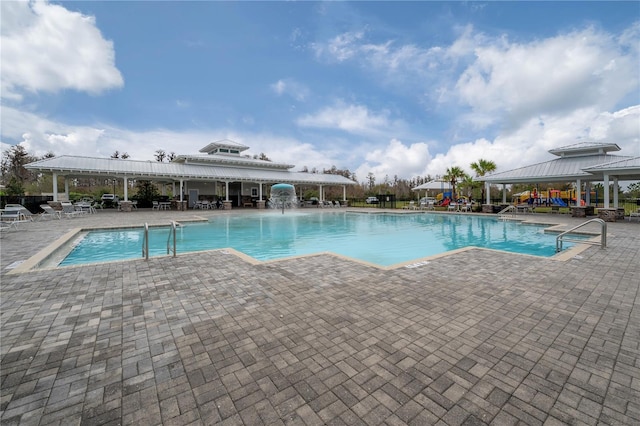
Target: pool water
382	239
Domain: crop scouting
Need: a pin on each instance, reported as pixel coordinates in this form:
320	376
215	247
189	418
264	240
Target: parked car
109	200
427	200
371	200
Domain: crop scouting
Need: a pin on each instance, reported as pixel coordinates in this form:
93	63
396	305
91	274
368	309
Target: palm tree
468	183
453	174
482	167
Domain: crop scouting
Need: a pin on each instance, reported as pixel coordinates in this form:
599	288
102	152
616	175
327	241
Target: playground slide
559	202
445	202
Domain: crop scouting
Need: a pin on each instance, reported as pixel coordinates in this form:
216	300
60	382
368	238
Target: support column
55	187
125	180
578	192
487	191
587	193
66	188
606	191
321	195
181	189
615	192
260	204
344	193
504	193
226	190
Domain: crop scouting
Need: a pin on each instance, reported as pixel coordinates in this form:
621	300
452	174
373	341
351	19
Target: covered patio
583	164
220	170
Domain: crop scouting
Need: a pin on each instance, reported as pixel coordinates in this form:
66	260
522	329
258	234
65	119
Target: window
254	192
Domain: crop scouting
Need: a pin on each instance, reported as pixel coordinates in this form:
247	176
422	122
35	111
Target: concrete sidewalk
477	337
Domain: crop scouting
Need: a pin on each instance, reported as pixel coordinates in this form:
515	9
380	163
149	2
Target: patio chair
11	217
69	210
49	212
634	215
24	213
410	206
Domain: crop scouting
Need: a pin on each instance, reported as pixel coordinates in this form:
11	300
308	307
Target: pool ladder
171	248
172	233
502	214
603	235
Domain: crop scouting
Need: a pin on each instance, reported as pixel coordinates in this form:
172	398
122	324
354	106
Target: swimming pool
382	239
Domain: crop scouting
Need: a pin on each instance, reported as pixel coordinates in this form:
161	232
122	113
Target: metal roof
585	148
75	166
628	168
433	184
225	143
557	170
232	159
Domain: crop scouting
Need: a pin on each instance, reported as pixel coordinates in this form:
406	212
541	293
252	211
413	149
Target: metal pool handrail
172	232
503	213
145	242
603	235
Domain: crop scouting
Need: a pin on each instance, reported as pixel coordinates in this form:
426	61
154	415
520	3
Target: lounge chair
49	212
23	211
634	215
12	217
69	210
410	206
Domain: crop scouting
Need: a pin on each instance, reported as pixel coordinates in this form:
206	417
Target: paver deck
477	337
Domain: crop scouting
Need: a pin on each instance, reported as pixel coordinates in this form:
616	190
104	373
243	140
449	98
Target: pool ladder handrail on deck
603	235
503	213
145	242
172	232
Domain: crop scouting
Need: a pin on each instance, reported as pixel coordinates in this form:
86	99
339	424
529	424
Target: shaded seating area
579	166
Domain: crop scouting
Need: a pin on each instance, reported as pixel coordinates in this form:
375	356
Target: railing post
145	242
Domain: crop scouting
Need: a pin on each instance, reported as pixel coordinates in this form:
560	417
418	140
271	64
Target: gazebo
585	162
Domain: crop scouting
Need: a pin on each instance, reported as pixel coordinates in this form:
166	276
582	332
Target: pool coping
35	261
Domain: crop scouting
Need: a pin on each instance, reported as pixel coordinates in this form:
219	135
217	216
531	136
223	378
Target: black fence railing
31	202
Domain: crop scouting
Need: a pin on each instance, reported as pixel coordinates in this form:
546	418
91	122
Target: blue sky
389	88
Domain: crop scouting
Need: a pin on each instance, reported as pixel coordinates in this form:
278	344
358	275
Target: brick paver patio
477	337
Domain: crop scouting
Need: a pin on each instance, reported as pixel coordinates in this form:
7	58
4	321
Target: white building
220	171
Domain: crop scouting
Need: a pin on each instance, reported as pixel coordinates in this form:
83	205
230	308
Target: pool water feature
382	239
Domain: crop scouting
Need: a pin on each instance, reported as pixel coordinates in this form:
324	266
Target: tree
146	192
468	183
14	175
117	154
160	155
262	157
634	189
482	167
453	175
372	180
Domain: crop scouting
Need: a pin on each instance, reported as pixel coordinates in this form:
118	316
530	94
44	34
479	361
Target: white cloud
555	75
48	48
291	88
395	159
502	82
530	143
355	119
340	48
